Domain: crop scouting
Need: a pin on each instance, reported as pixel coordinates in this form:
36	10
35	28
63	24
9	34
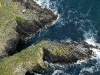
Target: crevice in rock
20	46
28	73
23	44
31	25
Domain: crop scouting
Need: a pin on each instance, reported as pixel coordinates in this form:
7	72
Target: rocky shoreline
26	18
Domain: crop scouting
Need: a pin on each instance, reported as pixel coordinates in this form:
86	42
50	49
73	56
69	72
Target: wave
48	4
91	40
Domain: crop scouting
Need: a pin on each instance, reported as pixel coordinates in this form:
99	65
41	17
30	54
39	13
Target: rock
33	57
15	24
8	43
36	18
30	59
55	52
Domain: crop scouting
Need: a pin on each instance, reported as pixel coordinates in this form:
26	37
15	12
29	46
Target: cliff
33	57
20	19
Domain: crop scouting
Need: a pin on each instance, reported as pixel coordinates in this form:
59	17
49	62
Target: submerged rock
33	57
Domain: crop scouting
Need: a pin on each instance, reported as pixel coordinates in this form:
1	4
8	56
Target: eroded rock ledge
33	57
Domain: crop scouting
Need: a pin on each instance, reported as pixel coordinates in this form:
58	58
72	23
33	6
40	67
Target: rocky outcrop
64	52
27	60
8	42
33	57
24	19
36	18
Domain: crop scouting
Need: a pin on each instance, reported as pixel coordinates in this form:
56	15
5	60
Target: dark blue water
78	20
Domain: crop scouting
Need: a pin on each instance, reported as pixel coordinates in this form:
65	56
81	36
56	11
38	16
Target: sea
78	20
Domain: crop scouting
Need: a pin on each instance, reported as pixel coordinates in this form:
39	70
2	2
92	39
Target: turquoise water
78	20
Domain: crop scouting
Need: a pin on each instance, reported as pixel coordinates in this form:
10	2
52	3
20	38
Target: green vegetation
8	12
29	57
20	62
20	20
56	48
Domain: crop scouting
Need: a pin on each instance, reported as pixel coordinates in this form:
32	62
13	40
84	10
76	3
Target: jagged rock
33	57
64	52
14	24
36	18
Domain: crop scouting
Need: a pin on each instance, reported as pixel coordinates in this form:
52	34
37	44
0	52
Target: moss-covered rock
20	20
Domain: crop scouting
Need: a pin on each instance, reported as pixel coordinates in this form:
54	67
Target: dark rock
37	18
64	52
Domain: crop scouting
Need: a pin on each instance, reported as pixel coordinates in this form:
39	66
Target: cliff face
29	59
33	57
55	52
36	18
20	19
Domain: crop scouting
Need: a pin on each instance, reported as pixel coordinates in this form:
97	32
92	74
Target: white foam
92	41
57	72
89	38
43	3
81	61
48	4
37	74
58	18
66	40
88	69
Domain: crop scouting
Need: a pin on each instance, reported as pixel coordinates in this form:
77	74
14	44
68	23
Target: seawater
78	20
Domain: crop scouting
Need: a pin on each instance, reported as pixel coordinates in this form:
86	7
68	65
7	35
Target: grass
8	14
30	56
56	49
20	20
